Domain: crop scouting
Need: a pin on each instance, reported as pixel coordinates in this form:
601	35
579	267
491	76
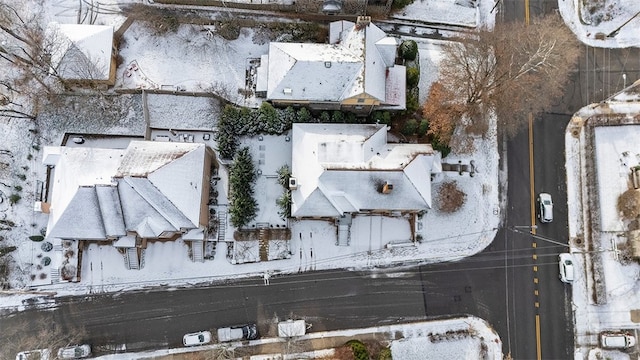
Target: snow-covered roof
341	168
148	188
81	52
310	71
354	63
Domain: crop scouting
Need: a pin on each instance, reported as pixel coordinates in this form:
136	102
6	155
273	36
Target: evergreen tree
243	208
304	116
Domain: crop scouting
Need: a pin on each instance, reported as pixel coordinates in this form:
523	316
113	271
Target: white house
356	71
340	169
150	191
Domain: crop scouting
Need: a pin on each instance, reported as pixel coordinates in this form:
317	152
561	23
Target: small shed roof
80	51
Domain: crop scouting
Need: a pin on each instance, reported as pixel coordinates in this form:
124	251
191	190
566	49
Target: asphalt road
158	319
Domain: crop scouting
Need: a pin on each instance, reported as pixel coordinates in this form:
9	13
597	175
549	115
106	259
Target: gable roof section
144	157
111	211
81	52
145	207
81	219
190	170
317	72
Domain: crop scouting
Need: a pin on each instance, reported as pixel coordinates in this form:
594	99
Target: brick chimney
363	21
387	187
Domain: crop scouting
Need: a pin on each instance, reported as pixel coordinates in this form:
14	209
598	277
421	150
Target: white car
197	338
42	354
617	340
74	352
546	208
565	262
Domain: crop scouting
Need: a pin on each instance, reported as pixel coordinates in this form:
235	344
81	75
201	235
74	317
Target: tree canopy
513	70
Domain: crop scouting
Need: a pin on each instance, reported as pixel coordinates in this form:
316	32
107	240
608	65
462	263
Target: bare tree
26	80
38	334
515	70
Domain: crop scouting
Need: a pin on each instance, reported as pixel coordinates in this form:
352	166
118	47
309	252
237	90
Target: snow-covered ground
450	339
606	24
194	60
614	153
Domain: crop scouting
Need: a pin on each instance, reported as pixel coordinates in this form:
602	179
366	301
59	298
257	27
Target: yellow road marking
538	337
535	257
534	244
535	267
532	189
535	292
537	304
526	12
535	280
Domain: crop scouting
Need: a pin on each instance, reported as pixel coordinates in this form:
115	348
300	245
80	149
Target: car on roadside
74	352
617	340
41	354
546	208
565	263
196	338
239	332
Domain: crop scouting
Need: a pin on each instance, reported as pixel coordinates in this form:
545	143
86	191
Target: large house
347	169
150	191
82	54
355	72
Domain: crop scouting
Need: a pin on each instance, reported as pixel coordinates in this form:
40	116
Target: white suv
196	338
74	352
617	340
565	262
546	208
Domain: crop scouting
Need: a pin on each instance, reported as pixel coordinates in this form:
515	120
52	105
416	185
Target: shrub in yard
409	50
423	127
284	204
629	204
359	350
385	354
450	197
22	177
18	188
325	117
14	198
7	249
284	173
304	116
410	127
337	116
399	4
381	117
439	146
413	77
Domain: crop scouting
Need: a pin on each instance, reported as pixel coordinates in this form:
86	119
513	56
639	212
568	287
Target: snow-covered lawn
606	24
615	153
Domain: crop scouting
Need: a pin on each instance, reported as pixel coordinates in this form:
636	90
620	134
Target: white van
617	340
42	354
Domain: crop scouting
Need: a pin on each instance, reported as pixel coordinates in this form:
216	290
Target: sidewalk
456	338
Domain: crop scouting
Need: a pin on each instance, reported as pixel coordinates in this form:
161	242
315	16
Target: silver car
546	208
74	352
